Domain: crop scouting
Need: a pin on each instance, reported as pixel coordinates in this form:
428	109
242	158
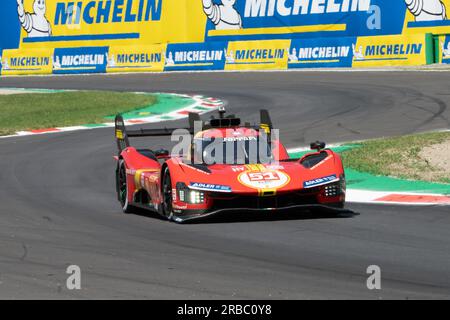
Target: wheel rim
167	195
122	186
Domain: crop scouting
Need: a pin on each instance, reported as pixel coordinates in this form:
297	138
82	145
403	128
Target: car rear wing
122	134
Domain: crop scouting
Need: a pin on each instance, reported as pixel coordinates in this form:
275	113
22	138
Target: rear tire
122	188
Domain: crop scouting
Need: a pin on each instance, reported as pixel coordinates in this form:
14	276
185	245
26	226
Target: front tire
167	195
122	188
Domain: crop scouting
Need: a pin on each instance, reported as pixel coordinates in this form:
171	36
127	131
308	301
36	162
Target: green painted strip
166	103
367	181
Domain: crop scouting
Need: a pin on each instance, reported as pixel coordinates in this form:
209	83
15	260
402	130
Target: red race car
228	167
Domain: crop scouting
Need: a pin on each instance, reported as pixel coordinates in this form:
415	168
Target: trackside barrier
98	36
282	54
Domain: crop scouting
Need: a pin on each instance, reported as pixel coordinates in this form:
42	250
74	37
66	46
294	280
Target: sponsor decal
275	167
320	181
26	61
248	55
264	179
429	13
195	56
320	53
116	11
444	47
80	60
126	58
224	16
34	23
174	195
209	187
390	50
269	19
234	139
179	208
59	23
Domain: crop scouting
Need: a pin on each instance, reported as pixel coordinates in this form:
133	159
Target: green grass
398	157
46	110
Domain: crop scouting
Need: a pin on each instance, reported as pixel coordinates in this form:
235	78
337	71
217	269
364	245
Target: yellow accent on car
265	127
267	192
137	176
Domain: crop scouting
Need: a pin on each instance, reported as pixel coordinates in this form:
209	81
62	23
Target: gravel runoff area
438	156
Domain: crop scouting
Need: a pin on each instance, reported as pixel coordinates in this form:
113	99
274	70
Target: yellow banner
389	51
68	23
257	55
427	16
135	59
18	62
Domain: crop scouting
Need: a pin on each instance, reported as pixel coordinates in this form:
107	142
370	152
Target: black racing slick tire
167	195
122	188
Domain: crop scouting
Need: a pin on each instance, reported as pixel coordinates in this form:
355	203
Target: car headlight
332	190
196	197
188	195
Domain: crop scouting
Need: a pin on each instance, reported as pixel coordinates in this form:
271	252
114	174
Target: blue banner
80	60
445	48
321	53
196	56
282	19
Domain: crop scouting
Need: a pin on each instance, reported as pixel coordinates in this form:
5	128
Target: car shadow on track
255	217
271	217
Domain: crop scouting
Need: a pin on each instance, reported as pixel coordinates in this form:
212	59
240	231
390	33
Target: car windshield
234	151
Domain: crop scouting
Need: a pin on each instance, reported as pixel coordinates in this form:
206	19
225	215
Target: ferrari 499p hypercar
229	168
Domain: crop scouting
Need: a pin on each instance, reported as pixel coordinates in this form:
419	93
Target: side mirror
318	145
160	154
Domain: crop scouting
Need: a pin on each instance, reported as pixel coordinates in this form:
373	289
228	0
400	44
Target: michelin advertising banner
157	35
257	55
17	62
443	49
135	59
195	56
391	51
321	53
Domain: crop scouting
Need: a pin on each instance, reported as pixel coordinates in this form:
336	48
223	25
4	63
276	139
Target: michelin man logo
229	56
110	60
35	24
168	60
292	56
56	63
224	16
427	10
4	64
358	54
445	51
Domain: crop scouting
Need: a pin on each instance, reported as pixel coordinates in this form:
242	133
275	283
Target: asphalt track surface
58	205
